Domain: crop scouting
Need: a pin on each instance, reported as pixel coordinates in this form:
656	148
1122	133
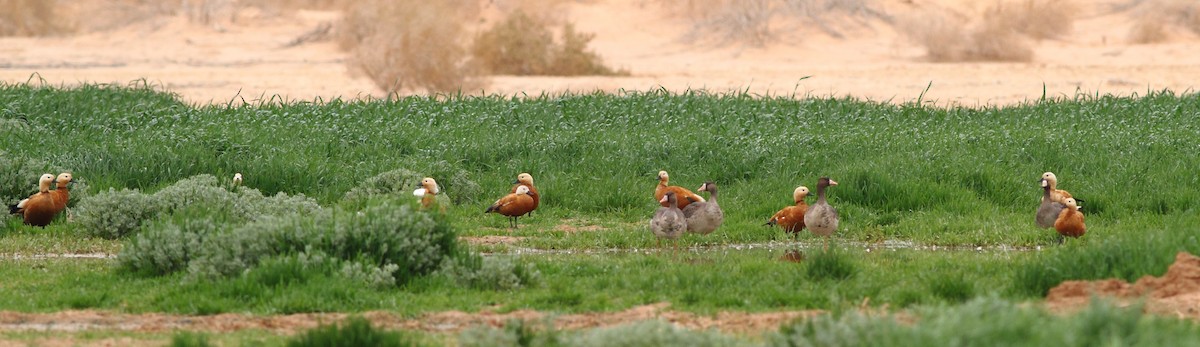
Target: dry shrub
1152	19
1039	19
759	22
729	21
31	18
410	44
523	45
1003	34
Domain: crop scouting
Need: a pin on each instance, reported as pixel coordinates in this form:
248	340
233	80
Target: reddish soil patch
1176	293
490	240
450	321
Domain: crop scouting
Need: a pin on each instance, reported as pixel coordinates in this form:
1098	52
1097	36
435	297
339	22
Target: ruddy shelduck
791	218
822	219
1056	195
513	205
428	190
37	209
683	197
704	216
668	222
62	191
1048	211
1070	220
525	179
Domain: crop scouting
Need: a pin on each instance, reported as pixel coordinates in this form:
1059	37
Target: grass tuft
355	331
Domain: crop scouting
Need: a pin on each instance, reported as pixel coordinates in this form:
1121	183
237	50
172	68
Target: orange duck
791	218
62	191
525	179
1056	195
683	197
1070	220
514	205
428	191
38	209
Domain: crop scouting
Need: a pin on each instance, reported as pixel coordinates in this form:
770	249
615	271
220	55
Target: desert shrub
761	22
1038	19
523	45
410	44
1152	18
354	331
115	213
395	243
1002	34
830	264
167	246
731	21
492	273
949	39
31	18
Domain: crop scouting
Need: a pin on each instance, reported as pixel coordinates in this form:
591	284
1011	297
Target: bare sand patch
446	322
1176	293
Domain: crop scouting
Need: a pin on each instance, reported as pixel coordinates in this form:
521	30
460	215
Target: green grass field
909	175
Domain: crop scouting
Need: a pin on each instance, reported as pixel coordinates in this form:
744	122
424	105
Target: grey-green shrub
387	239
651	333
115	213
167	246
494	273
989	321
19	177
644	333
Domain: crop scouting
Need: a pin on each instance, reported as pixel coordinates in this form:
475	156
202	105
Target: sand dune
250	59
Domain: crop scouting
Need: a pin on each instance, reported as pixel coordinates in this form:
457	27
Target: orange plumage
1056	195
683	197
525	179
38	209
428	192
791	218
513	205
62	191
1070	220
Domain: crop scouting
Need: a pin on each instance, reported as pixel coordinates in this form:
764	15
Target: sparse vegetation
524	45
1003	32
760	22
31	18
410	44
1153	19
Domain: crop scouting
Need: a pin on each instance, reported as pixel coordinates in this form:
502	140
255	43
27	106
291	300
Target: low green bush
355	331
494	273
989	321
115	213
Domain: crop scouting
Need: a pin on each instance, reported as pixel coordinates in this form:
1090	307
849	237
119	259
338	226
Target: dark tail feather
770	222
491	208
13	209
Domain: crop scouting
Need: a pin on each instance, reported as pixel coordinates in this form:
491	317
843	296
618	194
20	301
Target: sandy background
249	58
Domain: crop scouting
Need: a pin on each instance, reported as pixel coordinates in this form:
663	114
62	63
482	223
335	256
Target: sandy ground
437	322
1174	294
250	59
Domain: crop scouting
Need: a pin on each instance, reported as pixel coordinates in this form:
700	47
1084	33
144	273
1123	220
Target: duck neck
712	194
1046	193
821	193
